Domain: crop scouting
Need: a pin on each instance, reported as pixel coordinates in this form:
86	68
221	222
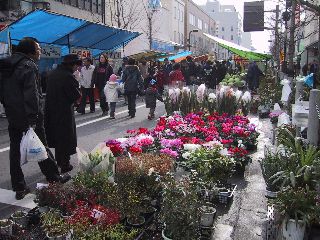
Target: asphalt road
91	130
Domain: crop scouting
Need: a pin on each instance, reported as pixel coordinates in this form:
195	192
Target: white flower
121	140
240	145
224	152
186	90
200	92
246	98
151	170
212	97
238	94
191	147
186	155
213	144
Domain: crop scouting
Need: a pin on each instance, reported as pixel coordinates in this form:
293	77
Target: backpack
6	71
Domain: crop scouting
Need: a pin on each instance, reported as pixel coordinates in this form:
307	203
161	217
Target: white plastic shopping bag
35	150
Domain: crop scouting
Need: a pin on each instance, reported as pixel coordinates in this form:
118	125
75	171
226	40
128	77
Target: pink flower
169	152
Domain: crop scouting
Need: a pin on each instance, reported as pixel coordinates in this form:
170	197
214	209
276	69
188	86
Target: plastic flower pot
293	230
271	194
65	236
164	236
6	227
136	222
20	218
208	214
43	209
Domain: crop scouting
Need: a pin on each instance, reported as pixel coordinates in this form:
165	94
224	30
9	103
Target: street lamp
189	40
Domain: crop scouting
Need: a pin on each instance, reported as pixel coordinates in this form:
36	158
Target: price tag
97	214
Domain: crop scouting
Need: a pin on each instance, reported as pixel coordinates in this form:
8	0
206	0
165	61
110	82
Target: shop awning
178	57
239	50
60	30
148	55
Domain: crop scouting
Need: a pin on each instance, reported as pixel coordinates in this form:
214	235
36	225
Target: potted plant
298	207
55	226
20	218
180	209
270	165
208	213
211	165
6	227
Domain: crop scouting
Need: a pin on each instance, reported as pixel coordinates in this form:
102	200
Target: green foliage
298	204
211	166
91	180
117	232
180	209
54	224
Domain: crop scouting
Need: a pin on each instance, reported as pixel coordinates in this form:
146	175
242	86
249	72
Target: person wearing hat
111	93
60	125
23	101
152	94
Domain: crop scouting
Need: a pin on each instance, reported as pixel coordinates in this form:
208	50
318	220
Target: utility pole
291	40
277	45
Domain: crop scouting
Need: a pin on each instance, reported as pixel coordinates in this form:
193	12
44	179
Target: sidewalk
247	216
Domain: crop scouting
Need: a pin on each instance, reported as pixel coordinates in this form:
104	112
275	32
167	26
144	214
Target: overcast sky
259	39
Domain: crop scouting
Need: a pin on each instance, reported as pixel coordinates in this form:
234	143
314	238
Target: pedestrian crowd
71	83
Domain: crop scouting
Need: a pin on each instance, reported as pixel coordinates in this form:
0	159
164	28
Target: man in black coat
60	125
23	101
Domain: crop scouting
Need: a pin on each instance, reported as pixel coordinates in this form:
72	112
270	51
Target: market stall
239	50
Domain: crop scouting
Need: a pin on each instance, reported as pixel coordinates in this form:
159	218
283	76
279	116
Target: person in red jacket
176	76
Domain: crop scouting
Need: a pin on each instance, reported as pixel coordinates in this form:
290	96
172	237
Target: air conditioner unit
41	5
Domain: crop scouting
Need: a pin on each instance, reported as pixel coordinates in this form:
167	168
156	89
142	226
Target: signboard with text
50	52
82	53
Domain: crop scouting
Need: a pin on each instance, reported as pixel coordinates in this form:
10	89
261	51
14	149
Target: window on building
192	19
175	36
81	4
181	16
206	27
95	6
222	37
231	37
222	29
99	6
231	28
175	13
88	5
182	38
74	3
200	23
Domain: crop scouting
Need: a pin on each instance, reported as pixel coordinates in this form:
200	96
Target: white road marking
4	149
8	197
85	124
106	117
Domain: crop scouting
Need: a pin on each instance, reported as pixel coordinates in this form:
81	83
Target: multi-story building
229	26
308	46
197	22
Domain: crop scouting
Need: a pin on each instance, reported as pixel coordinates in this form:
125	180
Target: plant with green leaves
211	165
271	164
299	204
299	170
180	208
54	225
116	232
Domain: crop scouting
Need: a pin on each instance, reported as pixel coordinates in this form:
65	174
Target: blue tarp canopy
60	30
177	56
